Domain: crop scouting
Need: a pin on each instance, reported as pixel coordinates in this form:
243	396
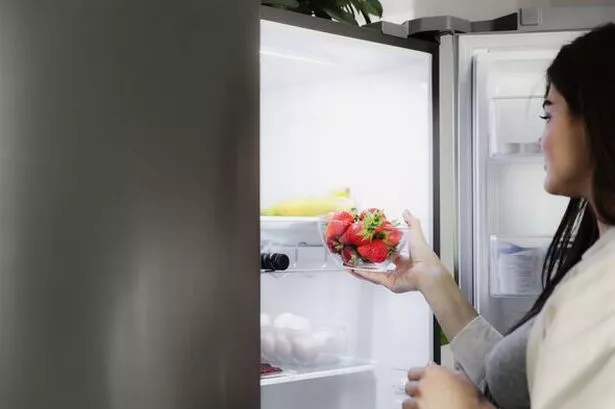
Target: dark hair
582	73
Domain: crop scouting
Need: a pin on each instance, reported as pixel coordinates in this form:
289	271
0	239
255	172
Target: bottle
274	261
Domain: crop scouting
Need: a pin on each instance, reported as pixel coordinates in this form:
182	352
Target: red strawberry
334	229
392	237
376	251
338	223
356	235
350	256
334	245
343	216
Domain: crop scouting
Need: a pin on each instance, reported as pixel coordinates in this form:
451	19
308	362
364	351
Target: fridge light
295	57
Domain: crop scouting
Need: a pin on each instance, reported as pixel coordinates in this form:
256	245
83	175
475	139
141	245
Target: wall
402	10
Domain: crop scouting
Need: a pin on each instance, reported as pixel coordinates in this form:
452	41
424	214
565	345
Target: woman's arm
471	336
449	305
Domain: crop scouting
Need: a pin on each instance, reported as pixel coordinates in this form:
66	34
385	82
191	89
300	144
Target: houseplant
338	10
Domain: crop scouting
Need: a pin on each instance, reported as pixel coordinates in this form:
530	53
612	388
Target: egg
305	349
265	320
268	345
299	324
323	338
282	320
283	348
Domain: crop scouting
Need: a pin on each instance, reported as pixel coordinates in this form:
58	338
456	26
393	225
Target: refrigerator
132	173
439	115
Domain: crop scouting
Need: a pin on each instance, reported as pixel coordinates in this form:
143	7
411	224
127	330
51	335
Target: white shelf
291	231
504	158
289	376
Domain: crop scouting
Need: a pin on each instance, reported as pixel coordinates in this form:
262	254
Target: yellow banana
315	206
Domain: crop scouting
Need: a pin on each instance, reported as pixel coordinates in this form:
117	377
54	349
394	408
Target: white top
571	348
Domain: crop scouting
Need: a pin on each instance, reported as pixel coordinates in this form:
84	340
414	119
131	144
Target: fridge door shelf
299	239
291	231
347	366
303	258
515	266
520	157
515	125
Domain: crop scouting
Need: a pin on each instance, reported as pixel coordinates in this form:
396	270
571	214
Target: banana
315	206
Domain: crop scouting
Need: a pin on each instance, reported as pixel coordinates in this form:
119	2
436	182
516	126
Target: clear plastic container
516	266
298	344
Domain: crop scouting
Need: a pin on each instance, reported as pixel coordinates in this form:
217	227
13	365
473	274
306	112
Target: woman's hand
435	387
410	272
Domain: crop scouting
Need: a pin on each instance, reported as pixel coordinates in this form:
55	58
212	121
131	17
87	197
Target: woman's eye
545	117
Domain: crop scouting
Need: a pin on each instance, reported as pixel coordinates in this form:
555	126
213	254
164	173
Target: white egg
282	320
283	348
265	320
323	338
268	345
305	349
299	324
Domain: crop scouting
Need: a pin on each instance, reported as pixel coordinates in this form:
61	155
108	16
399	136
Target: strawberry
334	229
343	216
350	256
375	251
338	223
356	235
392	237
334	245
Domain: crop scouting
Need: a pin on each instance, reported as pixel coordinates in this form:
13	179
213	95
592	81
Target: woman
566	342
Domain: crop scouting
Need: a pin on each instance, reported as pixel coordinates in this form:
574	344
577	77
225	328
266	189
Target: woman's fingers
414	224
412	388
373	277
410	403
355	275
415	374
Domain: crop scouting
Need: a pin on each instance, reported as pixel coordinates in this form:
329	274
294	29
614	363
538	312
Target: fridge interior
340	113
515	218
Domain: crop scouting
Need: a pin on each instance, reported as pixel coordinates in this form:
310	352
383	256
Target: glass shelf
347	367
529	158
299	239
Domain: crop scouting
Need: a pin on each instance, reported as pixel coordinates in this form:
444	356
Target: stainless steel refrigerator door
129	204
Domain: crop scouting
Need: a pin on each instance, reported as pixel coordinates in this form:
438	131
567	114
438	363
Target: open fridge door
512	217
342	110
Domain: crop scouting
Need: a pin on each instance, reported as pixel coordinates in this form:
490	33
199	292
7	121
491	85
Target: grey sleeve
472	345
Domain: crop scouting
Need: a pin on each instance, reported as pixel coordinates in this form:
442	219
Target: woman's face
567	159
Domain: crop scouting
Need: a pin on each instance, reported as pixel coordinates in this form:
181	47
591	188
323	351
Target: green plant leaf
443	339
360	7
281	3
373	7
341	15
